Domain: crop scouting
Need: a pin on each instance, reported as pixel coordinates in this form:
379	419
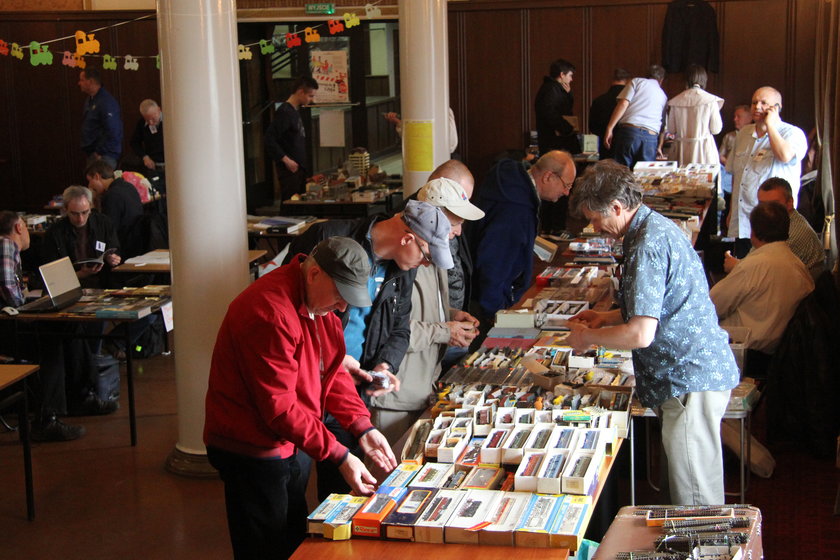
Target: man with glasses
83	234
377	336
503	241
767	148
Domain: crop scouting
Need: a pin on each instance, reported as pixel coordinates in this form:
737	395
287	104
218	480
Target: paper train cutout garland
87	44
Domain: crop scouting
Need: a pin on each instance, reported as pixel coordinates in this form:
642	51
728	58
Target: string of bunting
88	46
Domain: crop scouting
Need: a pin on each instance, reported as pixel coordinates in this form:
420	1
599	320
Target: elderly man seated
763	291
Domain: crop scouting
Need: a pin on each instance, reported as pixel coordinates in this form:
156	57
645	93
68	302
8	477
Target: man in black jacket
602	109
285	139
120	201
378	336
83	234
553	103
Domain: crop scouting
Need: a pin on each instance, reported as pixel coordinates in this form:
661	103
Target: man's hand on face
771	116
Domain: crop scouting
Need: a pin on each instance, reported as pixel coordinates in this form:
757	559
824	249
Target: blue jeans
631	144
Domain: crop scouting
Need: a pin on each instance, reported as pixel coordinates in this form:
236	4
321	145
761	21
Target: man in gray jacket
435	324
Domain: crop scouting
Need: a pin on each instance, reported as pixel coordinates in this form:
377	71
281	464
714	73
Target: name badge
100	246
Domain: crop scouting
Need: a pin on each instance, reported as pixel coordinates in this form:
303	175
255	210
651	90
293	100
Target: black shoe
93	406
53	429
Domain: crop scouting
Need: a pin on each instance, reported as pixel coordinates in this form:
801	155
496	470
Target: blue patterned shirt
663	278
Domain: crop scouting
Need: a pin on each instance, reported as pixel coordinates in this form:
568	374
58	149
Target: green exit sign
321	8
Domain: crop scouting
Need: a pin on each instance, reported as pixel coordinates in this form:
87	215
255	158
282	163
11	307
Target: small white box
577	483
525	479
434	442
540	436
525	416
550	475
563	437
432	475
514	445
505	417
452	446
483	420
491	449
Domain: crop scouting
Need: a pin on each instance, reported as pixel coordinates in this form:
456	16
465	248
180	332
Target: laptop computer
62	285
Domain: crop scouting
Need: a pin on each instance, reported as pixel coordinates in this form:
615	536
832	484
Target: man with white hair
147	141
767	148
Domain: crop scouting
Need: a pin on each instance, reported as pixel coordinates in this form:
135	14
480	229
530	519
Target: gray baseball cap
432	225
347	263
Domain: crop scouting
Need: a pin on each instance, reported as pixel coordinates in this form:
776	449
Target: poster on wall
329	69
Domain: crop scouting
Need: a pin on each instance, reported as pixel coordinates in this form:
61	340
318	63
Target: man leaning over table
277	369
682	360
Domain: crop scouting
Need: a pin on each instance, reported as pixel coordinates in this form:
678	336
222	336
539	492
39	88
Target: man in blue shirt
102	127
683	364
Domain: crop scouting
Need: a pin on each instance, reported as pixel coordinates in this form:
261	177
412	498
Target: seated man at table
681	357
83	234
764	290
802	239
120	201
49	388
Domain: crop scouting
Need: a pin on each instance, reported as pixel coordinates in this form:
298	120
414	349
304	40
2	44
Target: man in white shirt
768	148
633	130
764	290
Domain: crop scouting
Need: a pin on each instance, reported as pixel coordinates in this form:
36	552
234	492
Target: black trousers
265	502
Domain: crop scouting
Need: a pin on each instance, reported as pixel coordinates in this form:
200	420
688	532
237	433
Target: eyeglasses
567	186
426	256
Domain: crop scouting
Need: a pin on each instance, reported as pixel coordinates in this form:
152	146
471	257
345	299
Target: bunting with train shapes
87	46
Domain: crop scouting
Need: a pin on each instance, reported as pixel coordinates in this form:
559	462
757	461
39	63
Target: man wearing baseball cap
377	336
435	323
276	370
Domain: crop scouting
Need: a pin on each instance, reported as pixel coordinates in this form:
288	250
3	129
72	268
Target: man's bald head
458	172
554	173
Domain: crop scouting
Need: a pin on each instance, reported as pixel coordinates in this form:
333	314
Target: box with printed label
502	520
338	525
432	475
515	444
568	530
402	475
463	526
430	527
491	449
581	473
537	519
368	521
400	522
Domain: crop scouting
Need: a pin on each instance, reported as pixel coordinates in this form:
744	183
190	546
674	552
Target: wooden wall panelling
804	49
552	34
493	88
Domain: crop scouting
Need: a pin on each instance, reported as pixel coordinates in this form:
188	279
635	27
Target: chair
803	387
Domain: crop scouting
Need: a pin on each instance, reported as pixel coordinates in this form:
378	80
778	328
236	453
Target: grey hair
603	183
146	105
73	192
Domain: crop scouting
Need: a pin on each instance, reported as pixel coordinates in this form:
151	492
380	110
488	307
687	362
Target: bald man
767	148
502	243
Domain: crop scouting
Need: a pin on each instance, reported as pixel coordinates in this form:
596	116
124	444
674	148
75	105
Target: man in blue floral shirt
684	366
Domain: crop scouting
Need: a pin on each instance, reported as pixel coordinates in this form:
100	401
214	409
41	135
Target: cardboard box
414	450
550	474
368	521
452	446
537	520
464	524
576	483
568	530
505	417
402	475
434	441
400	522
526	475
471	457
338	525
432	475
315	520
516	318
430	527
483	419
491	449
483	478
502	520
514	445
540	436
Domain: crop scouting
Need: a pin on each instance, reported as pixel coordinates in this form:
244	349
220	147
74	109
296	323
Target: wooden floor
100	498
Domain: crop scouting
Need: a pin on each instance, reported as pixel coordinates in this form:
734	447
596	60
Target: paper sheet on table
152	257
332	128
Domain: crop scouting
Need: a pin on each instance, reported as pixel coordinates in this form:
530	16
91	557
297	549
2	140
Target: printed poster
329	69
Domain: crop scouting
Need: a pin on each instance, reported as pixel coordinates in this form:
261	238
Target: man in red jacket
276	369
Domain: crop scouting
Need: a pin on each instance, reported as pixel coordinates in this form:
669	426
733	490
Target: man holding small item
683	364
276	370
